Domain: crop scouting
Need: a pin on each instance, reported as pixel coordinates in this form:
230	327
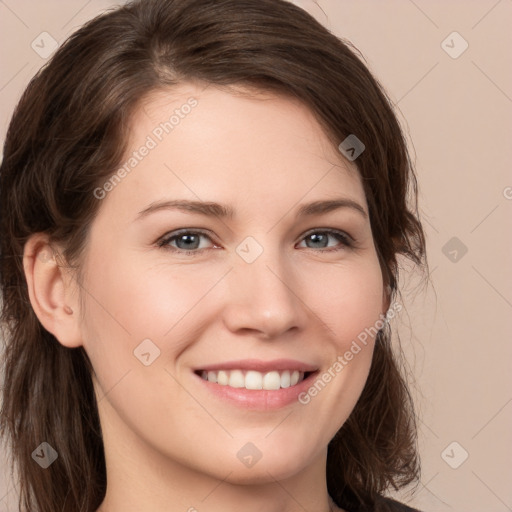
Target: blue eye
321	237
188	241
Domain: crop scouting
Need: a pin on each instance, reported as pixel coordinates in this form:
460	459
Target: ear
51	290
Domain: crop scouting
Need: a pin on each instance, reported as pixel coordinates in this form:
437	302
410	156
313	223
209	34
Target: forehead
234	117
215	144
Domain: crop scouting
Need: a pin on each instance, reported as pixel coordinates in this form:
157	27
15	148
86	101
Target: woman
202	206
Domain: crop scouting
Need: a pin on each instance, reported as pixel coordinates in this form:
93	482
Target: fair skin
171	443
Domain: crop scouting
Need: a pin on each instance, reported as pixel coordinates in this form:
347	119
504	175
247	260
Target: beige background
456	332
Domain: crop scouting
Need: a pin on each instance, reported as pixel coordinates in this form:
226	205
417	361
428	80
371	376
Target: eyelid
177	232
340	232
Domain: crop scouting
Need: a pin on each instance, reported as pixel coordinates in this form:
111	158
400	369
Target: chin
263	474
279	465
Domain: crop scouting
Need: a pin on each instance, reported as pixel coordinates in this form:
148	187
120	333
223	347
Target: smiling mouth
254	380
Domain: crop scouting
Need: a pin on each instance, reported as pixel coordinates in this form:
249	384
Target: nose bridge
261	292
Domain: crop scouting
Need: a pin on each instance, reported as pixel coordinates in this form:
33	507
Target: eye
187	242
319	239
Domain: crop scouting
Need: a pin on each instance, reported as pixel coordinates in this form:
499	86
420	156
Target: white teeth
254	380
222	378
236	379
285	379
272	380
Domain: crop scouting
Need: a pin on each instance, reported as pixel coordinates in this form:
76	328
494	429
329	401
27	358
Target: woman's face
256	297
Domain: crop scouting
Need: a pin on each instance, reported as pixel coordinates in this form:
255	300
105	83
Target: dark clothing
386	505
396	506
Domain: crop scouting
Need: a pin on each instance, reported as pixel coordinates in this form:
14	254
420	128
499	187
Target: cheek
128	303
351	306
348	298
137	299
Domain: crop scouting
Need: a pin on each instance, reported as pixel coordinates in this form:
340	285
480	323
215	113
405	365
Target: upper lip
261	366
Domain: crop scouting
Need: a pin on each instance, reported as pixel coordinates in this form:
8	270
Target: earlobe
51	291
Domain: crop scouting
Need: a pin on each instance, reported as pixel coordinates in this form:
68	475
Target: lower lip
259	399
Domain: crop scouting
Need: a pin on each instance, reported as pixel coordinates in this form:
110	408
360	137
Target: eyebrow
209	208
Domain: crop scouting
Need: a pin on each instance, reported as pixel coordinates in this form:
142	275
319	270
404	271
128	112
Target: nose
264	297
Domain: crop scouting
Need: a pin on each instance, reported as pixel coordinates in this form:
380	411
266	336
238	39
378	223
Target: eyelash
347	241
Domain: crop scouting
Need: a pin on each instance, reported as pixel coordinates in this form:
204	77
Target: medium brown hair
69	132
